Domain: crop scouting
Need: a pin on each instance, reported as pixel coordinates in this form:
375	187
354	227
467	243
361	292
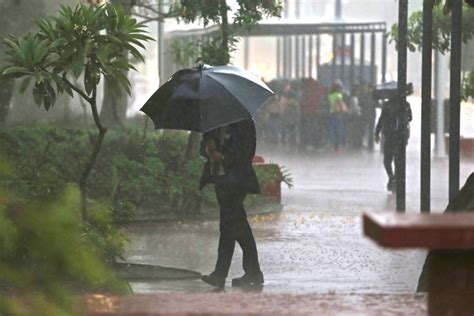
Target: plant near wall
87	42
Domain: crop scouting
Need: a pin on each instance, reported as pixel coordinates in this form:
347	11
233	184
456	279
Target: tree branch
148	7
147	19
79	91
95	112
95	152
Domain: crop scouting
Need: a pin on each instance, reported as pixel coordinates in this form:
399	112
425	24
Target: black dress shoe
248	280
214	280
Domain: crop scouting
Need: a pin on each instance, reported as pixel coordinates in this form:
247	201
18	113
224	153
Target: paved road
315	245
258	304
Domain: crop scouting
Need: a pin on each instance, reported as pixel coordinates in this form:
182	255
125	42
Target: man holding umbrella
220	102
389	125
230	150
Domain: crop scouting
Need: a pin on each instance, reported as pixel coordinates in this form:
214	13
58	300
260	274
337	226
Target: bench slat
428	231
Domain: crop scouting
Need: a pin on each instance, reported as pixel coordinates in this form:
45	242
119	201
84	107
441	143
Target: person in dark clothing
388	125
368	104
229	151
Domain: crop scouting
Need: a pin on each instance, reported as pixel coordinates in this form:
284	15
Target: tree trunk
225	32
6	94
93	157
192	148
114	106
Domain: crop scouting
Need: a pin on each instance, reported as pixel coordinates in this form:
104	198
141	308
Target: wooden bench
450	239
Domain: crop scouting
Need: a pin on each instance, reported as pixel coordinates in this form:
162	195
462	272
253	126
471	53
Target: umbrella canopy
389	90
203	98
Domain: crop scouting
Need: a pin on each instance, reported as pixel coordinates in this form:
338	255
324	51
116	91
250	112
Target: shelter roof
282	29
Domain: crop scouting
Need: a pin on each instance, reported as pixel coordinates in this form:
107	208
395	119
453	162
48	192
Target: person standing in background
291	116
311	109
368	104
274	120
354	122
337	109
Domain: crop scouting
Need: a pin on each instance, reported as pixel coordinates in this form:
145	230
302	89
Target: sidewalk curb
139	271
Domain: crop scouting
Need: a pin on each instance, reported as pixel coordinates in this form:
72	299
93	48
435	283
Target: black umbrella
389	90
203	98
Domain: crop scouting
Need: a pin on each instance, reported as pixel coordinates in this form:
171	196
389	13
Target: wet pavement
315	245
258	304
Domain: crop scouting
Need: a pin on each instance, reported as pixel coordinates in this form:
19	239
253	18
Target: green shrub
46	259
134	170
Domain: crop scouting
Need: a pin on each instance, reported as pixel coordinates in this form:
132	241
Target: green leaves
441	27
217	51
192	10
250	12
91	77
468	86
182	52
441	34
14	71
49	257
44	94
81	41
25	55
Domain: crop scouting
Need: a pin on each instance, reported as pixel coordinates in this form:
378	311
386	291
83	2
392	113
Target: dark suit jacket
238	151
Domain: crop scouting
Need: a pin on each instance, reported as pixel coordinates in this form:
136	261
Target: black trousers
389	150
234	227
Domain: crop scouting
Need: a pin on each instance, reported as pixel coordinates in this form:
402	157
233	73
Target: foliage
448	4
47	255
468	86
46	160
81	41
217	51
212	52
133	172
87	41
273	172
182	52
441	29
16	17
249	12
441	33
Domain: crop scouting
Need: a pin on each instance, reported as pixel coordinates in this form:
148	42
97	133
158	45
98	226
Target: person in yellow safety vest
337	109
